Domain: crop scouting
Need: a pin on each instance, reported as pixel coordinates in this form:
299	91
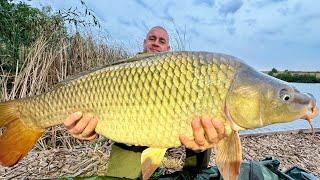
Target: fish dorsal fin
229	155
137	57
150	161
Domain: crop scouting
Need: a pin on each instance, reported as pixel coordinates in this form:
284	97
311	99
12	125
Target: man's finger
91	136
191	144
198	132
81	124
219	127
89	129
209	129
72	119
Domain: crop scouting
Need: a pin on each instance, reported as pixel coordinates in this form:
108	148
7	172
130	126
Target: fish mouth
311	112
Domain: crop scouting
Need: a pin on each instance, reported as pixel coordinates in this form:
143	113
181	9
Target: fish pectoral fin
150	160
229	155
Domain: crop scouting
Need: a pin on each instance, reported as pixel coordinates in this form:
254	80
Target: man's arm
206	131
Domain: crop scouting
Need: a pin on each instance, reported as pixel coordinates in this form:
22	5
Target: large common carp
150	100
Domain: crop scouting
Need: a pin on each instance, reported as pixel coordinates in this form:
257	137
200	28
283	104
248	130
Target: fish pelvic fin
17	138
150	161
229	155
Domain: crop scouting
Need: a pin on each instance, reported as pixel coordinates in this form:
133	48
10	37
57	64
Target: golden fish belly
149	101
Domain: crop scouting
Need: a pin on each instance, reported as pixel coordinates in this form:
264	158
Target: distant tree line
294	77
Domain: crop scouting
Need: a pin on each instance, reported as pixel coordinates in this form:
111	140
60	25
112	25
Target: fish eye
285	95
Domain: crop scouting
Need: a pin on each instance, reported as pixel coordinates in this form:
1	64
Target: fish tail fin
17	138
6	112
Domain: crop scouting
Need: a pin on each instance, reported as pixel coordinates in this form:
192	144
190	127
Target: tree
274	70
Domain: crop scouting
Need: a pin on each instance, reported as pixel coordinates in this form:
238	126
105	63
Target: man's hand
207	132
82	126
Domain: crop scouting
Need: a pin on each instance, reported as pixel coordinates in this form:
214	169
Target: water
314	89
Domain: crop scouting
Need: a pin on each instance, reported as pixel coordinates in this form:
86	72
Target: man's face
157	40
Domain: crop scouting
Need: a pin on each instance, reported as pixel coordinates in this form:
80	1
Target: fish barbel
150	100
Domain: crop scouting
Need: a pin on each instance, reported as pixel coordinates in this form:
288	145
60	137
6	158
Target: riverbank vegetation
296	76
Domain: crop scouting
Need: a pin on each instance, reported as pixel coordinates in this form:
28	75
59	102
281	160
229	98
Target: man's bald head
157	40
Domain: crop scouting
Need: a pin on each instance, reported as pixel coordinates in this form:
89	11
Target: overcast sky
284	34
